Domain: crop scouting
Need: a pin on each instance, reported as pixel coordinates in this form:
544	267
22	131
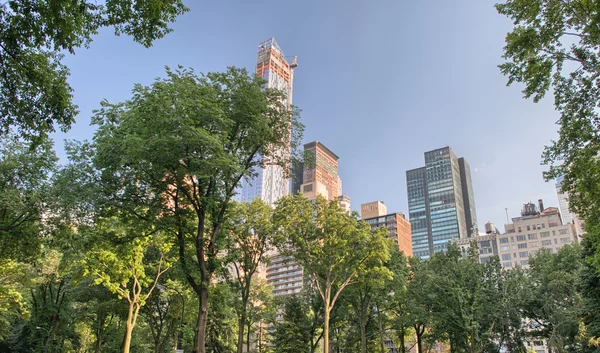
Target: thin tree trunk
248	336
241	327
98	342
131	318
363	335
99	332
326	328
402	344
380	330
418	333
200	338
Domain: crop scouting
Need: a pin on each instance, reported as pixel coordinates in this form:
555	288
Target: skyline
376	121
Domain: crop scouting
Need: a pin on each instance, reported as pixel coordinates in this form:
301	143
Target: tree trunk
98	342
131	318
381	338
402	343
326	327
200	337
99	332
248	336
363	335
241	326
418	333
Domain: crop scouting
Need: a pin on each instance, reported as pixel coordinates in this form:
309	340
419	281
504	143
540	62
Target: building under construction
272	182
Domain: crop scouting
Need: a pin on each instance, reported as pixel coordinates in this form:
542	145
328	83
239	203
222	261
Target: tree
468	303
24	190
261	311
397	302
554	304
126	266
222	320
362	296
332	246
251	232
292	334
555	46
165	312
180	148
34	93
590	292
421	298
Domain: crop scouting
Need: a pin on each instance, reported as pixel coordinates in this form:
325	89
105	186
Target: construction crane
294	62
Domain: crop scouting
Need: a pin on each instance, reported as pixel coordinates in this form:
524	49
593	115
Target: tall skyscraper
319	177
440	202
271	183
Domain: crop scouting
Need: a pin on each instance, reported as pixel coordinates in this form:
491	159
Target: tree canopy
34	35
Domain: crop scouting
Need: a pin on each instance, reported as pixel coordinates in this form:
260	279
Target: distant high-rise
375	213
319	177
271	183
440	202
563	203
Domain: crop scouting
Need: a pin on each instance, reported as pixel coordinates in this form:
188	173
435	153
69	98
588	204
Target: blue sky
379	83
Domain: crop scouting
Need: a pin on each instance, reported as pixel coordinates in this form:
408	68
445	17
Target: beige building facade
375	213
533	231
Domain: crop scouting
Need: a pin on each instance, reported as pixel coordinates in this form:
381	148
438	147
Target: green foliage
128	260
34	92
364	297
24	190
555	46
251	231
292	334
180	148
335	248
222	321
553	302
590	292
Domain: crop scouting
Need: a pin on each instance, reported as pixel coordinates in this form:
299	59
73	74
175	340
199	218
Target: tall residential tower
319	178
271	183
440	202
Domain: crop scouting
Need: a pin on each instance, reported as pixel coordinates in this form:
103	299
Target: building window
543	225
505	257
503	240
507	264
546	242
523	254
532	236
524	262
564	240
563	231
520	237
520	230
523	246
544	234
505	248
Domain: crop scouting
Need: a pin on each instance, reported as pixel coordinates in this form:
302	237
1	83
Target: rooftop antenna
506	209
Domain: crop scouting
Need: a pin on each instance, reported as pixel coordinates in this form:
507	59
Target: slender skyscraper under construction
271	183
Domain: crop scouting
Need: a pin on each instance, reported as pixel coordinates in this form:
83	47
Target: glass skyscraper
440	202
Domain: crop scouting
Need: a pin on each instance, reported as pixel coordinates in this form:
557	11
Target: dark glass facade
440	202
